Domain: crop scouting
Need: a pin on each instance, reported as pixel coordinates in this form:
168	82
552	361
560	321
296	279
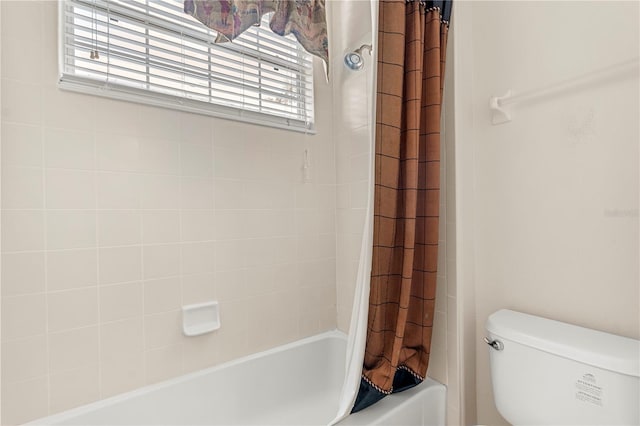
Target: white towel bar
500	105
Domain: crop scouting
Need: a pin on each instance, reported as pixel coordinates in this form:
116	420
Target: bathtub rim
106	402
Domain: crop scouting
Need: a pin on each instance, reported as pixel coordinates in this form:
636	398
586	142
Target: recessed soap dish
200	318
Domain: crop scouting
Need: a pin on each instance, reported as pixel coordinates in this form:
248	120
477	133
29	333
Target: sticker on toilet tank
587	390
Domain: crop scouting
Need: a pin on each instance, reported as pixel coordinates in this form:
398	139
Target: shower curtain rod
499	105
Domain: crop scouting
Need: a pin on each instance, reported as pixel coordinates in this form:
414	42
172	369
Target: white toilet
546	372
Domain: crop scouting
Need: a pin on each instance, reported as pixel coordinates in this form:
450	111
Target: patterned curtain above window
306	19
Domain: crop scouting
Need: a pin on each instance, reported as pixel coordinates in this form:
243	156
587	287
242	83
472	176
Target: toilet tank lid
596	348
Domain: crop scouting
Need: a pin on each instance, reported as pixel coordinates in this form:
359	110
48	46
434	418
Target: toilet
546	372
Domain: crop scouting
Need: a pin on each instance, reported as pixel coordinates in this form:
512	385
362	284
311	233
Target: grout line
46	269
97	236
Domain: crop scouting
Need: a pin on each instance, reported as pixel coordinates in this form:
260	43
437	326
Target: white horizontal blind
150	51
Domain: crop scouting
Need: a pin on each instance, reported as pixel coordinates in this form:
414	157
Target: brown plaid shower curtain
412	38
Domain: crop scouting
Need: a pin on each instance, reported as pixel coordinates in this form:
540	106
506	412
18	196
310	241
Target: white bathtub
294	384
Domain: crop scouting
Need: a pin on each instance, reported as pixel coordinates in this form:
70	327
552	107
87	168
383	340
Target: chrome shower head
354	60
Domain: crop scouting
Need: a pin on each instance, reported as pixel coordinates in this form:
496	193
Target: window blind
150	51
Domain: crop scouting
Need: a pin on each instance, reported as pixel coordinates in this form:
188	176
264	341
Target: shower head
354	60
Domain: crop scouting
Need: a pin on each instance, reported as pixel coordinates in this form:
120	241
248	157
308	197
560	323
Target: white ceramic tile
68	149
22	273
159	156
198	288
286	277
23	316
72	388
451	275
327	196
22	188
359	167
111	111
118	190
441	293
24	401
360	142
229	254
230	285
260	280
21	145
438	355
350	221
160	192
68	110
326	221
24	359
70	189
160	226
119	228
196	159
120	264
327	246
269	195
306	196
195	128
196	193
229	225
15	15
236	345
269	223
121	339
230	194
69	269
201	352
260	252
157	123
117	152
121	353
161	261
230	162
235	315
67	229
74	348
21	102
197	225
162	295
163	329
122	373
452	323
49	65
72	309
358	194
285	249
163	363
343	199
453	415
197	258
121	301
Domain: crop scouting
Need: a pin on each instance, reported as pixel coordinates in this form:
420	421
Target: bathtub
294	384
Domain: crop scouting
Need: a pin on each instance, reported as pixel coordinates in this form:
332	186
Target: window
150	51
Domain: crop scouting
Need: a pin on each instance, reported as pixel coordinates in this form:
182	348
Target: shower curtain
411	45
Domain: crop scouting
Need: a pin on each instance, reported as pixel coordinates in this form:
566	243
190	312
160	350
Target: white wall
554	193
116	214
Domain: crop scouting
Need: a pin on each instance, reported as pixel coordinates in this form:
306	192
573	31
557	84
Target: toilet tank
546	372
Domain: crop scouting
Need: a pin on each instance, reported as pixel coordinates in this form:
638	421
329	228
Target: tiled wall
114	215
